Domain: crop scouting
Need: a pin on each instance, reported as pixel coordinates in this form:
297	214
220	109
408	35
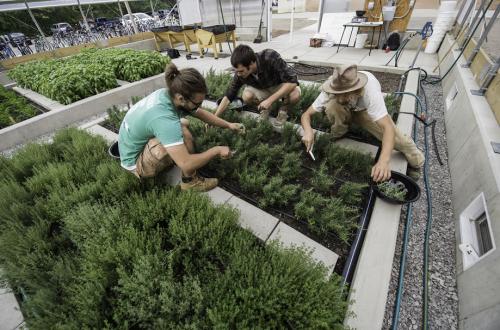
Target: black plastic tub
411	186
218	29
113	151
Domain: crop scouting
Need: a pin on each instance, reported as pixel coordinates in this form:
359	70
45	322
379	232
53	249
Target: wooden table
371	25
186	37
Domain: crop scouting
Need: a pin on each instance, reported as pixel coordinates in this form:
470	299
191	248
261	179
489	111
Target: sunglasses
197	105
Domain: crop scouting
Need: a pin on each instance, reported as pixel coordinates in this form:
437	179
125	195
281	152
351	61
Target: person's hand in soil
224	152
265	105
381	171
308	139
237	128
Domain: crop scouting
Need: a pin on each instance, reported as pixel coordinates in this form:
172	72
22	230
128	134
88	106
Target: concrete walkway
296	48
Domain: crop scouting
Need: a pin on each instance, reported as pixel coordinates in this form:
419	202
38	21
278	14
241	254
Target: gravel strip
443	299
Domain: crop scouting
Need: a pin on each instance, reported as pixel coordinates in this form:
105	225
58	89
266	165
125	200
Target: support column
120	8
131	16
35	21
83	15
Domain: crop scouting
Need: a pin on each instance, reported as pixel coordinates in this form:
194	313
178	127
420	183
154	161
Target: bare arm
305	120
381	171
212	119
189	163
222	106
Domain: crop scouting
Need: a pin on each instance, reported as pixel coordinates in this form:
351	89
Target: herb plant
393	189
217	83
273	169
100	249
91	72
13	108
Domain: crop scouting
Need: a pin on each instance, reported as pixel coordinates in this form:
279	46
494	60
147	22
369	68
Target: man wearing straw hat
352	96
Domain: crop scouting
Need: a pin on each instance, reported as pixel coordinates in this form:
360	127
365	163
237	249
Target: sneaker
264	115
281	118
198	183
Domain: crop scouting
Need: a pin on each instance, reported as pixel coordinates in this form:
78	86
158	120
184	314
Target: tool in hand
311	153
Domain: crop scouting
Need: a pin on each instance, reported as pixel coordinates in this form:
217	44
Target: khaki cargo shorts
152	160
262	94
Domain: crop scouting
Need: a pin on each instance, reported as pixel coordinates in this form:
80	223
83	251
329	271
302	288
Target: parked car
61	28
138	17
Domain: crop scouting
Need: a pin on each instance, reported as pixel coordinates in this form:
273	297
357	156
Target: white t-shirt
372	99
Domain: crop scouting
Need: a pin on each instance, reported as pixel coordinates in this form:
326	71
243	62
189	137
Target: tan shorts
262	94
152	160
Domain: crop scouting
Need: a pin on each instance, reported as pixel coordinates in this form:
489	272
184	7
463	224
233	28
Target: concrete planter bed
298	173
14	108
90	72
60	115
106	250
372	275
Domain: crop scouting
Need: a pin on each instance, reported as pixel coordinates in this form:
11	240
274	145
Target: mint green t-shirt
153	116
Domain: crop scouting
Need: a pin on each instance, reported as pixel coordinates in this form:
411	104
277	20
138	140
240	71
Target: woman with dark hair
154	134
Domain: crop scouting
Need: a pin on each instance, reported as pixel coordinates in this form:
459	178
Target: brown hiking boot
264	115
281	118
199	183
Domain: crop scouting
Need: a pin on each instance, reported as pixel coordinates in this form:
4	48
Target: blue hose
397	304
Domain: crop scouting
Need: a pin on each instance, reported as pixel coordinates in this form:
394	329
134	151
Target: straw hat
345	78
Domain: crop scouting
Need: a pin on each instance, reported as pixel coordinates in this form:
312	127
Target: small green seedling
393	189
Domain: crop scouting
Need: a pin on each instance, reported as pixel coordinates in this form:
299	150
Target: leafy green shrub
91	72
291	168
359	164
352	193
253	178
309	93
13	108
321	180
98	249
277	193
326	214
127	64
217	83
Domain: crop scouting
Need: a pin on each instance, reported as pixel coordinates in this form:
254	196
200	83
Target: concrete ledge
111	137
290	237
370	284
148	44
260	223
70	114
10	313
39	99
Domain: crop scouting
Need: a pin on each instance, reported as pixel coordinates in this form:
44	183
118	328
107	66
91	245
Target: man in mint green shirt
153	135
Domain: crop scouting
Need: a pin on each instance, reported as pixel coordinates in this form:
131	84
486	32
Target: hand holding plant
224	152
381	171
237	127
265	105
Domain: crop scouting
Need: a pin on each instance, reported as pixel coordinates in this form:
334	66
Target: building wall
475	168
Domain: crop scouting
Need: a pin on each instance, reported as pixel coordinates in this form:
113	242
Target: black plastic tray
412	187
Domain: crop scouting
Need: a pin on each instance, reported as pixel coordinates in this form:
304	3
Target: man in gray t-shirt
349	95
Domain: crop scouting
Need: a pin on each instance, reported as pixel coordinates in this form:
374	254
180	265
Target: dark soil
388	81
